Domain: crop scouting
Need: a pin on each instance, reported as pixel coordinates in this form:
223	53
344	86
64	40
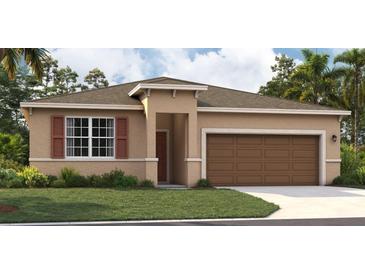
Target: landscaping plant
32	177
203	183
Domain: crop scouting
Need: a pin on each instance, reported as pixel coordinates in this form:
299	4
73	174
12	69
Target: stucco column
151	165
193	165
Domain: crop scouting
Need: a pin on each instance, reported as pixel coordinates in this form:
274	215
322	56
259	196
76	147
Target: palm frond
10	62
34	57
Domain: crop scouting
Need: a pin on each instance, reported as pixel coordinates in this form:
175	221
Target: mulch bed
7	208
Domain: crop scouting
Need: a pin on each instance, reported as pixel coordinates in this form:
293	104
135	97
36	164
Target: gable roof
214	97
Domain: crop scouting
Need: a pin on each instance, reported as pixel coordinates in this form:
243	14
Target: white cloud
115	63
244	69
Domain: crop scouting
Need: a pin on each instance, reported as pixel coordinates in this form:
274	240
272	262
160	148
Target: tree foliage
95	79
280	83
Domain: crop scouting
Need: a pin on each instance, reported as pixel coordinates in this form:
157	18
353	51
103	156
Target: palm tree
10	57
353	88
313	80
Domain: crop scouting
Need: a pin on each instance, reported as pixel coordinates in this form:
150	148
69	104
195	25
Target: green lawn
90	204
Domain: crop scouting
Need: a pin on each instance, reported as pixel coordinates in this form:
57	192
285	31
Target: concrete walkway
301	202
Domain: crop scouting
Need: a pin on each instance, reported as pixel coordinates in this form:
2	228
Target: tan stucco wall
162	101
277	121
40	142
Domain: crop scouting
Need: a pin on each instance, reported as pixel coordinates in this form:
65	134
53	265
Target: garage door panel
262	160
277	179
221	153
305	140
277	140
303	179
221	180
249	140
249	180
221	140
277	166
221	166
308	166
245	166
249	153
304	154
277	153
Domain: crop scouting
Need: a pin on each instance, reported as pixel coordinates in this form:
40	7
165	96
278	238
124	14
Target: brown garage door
262	159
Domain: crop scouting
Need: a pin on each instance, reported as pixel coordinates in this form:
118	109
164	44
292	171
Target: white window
89	137
102	137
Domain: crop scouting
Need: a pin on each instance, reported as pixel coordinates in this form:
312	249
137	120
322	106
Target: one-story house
175	131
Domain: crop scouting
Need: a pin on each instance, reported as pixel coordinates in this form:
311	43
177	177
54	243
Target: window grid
77	137
102	137
89	137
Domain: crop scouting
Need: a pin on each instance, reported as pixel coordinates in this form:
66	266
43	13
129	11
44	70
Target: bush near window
9	179
203	183
146	183
13	147
9	164
59	183
32	177
69	177
127	181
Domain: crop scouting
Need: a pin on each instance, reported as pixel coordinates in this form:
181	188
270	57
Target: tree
65	81
353	88
95	79
12	92
33	57
283	70
50	70
313	81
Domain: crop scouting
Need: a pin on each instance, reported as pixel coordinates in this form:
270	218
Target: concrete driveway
311	201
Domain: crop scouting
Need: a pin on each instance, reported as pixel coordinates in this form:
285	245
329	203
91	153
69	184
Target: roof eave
275	111
80	106
141	86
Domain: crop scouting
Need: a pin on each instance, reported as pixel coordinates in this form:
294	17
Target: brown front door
262	160
161	154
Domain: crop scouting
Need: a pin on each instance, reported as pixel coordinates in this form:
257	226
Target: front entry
161	154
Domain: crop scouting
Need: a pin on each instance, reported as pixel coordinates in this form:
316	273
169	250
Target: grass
90	204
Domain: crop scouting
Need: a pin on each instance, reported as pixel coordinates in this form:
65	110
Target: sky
242	68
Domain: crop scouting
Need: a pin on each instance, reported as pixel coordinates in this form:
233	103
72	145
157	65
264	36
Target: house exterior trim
137	89
274	111
81	106
93	160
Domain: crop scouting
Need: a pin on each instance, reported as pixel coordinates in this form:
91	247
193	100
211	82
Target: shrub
146	183
203	183
58	183
68	172
113	178
127	181
10	179
360	174
13	147
345	180
32	177
349	161
96	181
77	181
9	164
51	178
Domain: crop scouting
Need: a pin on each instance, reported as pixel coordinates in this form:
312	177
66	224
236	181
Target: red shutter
121	138
58	137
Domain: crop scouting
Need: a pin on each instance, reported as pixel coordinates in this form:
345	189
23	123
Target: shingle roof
213	97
